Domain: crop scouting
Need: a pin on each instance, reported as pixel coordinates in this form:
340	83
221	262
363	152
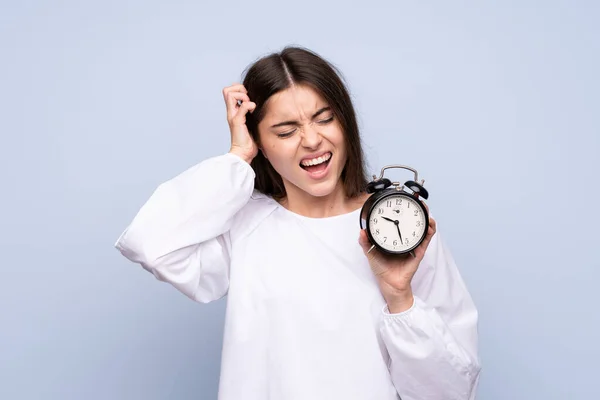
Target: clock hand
397	223
400	234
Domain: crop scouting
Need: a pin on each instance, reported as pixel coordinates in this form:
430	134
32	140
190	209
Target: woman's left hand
394	273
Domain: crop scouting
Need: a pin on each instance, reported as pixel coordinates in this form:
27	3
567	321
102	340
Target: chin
321	190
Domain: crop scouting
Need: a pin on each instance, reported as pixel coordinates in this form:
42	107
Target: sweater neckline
350	214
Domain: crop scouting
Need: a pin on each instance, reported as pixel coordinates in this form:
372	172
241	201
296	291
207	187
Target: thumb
363	240
373	257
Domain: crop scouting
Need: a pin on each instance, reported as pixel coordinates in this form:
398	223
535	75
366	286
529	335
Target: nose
311	138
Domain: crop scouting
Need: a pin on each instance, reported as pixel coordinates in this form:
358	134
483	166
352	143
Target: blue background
497	106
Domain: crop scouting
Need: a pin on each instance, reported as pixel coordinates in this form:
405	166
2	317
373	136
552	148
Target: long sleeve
433	346
181	233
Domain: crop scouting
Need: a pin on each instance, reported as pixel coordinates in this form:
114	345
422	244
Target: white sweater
305	319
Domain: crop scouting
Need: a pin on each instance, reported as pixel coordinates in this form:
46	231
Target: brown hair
295	65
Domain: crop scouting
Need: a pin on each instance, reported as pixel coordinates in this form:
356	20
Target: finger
240	116
430	232
431	228
232	102
233	97
236	87
433	224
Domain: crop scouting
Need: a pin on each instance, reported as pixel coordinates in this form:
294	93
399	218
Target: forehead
295	101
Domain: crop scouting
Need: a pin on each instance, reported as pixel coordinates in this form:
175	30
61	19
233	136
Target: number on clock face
407	232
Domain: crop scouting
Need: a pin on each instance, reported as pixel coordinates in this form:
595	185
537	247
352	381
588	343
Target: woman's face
303	140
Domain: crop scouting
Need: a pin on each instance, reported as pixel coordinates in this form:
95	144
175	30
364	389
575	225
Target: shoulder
254	212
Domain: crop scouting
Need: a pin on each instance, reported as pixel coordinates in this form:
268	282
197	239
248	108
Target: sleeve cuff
403	314
236	157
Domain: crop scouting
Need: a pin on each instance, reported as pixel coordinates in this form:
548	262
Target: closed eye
326	121
286	134
290	133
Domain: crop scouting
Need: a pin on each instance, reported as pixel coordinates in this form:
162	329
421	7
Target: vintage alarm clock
396	221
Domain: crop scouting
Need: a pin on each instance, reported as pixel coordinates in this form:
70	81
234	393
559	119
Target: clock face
397	223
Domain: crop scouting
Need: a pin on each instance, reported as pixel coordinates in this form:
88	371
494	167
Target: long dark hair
296	65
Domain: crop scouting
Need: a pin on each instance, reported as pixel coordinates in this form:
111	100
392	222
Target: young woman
273	224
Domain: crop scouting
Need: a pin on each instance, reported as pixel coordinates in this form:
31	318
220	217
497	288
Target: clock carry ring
414	185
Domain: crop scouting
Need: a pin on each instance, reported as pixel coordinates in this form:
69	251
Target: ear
263	153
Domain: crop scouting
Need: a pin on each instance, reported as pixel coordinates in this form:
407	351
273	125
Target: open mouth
318	164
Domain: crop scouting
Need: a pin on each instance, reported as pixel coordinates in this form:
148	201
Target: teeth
316	161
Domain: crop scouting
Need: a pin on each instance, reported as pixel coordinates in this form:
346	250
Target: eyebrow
315	115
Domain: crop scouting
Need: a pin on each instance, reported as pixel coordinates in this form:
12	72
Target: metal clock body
396	221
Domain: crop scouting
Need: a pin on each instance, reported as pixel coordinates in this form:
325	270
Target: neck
335	203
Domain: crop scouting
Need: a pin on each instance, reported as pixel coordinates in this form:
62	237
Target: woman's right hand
242	143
